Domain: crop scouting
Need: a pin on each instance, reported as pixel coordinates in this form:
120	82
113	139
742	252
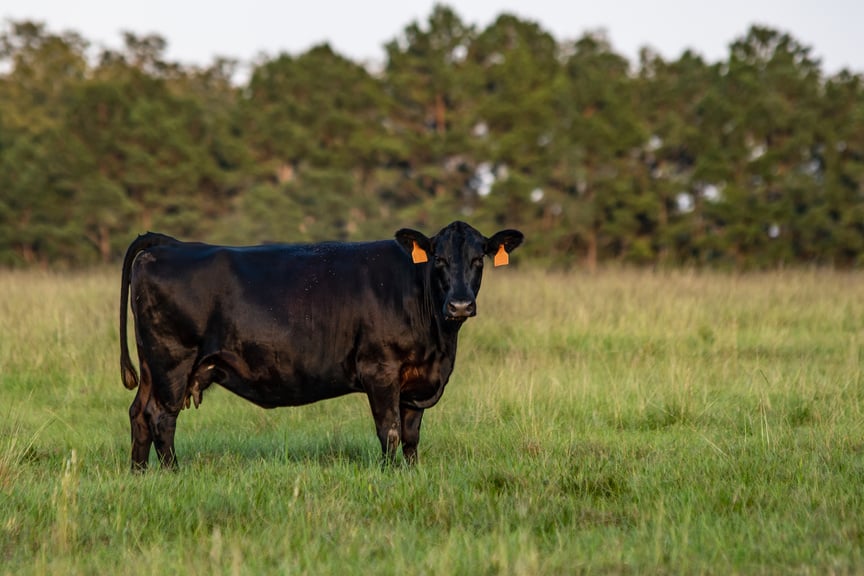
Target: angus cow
292	324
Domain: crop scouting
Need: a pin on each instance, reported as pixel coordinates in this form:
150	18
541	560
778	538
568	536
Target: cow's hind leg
154	417
142	439
163	424
162	411
140	418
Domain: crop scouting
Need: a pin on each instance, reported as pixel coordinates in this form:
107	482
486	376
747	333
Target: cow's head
456	255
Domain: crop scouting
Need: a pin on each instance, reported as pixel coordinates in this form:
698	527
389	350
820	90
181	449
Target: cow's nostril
461	308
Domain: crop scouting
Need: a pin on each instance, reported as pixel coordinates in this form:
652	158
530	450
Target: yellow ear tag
418	255
501	257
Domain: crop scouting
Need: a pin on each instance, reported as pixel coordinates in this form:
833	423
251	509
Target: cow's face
456	256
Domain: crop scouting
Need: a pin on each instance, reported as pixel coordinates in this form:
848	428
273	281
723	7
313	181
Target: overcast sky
197	31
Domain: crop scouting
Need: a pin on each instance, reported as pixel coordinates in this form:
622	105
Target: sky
199	31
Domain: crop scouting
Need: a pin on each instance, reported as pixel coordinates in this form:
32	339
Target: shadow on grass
323	451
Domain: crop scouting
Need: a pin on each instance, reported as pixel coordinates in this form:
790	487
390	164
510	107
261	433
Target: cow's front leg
384	402
378	369
411	418
385	410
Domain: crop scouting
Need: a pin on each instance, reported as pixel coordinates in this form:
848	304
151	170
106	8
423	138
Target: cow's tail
143	242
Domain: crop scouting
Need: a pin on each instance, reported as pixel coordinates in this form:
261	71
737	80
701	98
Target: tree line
751	162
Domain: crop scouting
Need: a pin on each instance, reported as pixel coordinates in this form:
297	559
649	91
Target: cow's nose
461	309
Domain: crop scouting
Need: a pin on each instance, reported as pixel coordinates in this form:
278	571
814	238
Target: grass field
626	422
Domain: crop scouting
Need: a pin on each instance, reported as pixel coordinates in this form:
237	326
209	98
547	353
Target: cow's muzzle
460	309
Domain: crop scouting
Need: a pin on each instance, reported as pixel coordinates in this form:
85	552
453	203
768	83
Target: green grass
627	422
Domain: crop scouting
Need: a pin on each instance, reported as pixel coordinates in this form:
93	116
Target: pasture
625	422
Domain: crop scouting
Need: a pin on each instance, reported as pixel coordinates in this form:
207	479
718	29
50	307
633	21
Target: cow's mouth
457	318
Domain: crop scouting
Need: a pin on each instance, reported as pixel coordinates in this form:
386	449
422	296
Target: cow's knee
390	437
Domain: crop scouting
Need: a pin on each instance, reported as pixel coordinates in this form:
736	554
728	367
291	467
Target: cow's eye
477	262
441	262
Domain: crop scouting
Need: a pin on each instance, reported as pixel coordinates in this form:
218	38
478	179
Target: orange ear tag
418	255
501	257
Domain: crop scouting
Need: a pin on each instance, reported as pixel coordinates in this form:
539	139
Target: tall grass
622	422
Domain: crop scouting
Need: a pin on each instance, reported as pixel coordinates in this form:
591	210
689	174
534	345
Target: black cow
291	324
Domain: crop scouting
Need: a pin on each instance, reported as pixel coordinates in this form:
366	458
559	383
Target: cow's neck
448	335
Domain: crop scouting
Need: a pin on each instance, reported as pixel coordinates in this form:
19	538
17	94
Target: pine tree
606	209
430	79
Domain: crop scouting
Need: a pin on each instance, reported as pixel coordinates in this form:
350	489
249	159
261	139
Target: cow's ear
501	244
415	244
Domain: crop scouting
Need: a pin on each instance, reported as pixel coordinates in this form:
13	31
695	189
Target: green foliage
756	161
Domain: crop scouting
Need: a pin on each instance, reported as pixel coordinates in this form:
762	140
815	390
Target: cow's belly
294	392
272	384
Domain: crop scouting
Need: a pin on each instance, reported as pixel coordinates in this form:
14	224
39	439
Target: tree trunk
104	244
440	114
591	252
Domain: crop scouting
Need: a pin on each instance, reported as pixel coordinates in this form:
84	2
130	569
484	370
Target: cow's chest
424	381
